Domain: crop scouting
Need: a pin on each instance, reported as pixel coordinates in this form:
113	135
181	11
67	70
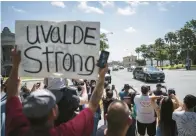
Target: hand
103	71
35	87
172	96
16	57
131	87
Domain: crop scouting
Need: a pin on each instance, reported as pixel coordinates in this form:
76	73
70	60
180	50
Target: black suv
148	73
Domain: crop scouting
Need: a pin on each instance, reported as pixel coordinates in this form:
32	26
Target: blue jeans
96	122
158	132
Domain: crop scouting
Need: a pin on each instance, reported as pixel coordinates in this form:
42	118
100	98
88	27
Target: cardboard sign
64	49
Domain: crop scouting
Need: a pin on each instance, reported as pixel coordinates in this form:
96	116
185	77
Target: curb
29	80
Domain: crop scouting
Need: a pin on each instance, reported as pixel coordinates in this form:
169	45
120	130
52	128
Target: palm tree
103	42
138	50
159	46
171	39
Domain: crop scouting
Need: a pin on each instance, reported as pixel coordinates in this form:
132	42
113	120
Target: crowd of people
74	107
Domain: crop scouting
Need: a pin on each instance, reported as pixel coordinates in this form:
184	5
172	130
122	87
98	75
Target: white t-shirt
186	123
144	109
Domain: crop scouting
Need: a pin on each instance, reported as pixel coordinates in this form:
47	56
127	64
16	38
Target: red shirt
18	125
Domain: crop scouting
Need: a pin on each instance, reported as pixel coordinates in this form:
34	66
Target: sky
127	24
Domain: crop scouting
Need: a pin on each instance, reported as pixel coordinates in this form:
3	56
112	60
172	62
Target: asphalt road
184	82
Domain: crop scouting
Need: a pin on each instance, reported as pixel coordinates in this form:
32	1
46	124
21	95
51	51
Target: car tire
145	78
134	77
162	80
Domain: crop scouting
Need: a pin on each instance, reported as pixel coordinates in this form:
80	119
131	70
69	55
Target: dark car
130	69
148	73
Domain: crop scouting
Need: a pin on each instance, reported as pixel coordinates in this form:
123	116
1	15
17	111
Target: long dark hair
167	125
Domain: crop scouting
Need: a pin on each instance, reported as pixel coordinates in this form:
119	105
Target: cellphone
103	59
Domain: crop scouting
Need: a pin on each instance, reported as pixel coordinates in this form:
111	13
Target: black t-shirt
106	104
100	131
159	93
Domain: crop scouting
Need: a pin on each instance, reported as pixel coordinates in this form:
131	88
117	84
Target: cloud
58	4
126	11
163	6
136	3
104	30
130	30
17	10
88	9
131	8
107	3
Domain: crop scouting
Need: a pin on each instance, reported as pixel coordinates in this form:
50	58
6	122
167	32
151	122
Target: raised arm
13	81
98	91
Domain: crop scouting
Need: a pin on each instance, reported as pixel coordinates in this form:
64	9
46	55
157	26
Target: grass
179	66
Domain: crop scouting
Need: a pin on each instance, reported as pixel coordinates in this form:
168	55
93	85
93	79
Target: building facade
7	43
129	61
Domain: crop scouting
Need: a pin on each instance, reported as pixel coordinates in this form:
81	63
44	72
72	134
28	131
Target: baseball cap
56	84
39	103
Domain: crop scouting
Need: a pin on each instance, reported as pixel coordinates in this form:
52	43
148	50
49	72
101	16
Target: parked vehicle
130	69
121	67
115	68
148	73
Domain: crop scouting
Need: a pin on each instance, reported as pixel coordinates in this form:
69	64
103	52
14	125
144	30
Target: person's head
145	89
40	108
126	87
93	82
171	91
113	87
67	106
118	118
159	86
109	94
190	103
166	123
106	84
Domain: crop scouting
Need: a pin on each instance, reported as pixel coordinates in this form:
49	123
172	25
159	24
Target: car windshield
151	69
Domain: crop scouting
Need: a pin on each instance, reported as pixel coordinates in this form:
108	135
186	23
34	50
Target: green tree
187	42
103	42
191	25
172	48
138	50
160	50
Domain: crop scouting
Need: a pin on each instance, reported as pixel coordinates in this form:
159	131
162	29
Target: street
184	82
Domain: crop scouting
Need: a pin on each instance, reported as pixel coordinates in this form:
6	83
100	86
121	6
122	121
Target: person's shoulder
178	113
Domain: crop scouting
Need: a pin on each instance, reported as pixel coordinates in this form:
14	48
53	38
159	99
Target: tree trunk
151	61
